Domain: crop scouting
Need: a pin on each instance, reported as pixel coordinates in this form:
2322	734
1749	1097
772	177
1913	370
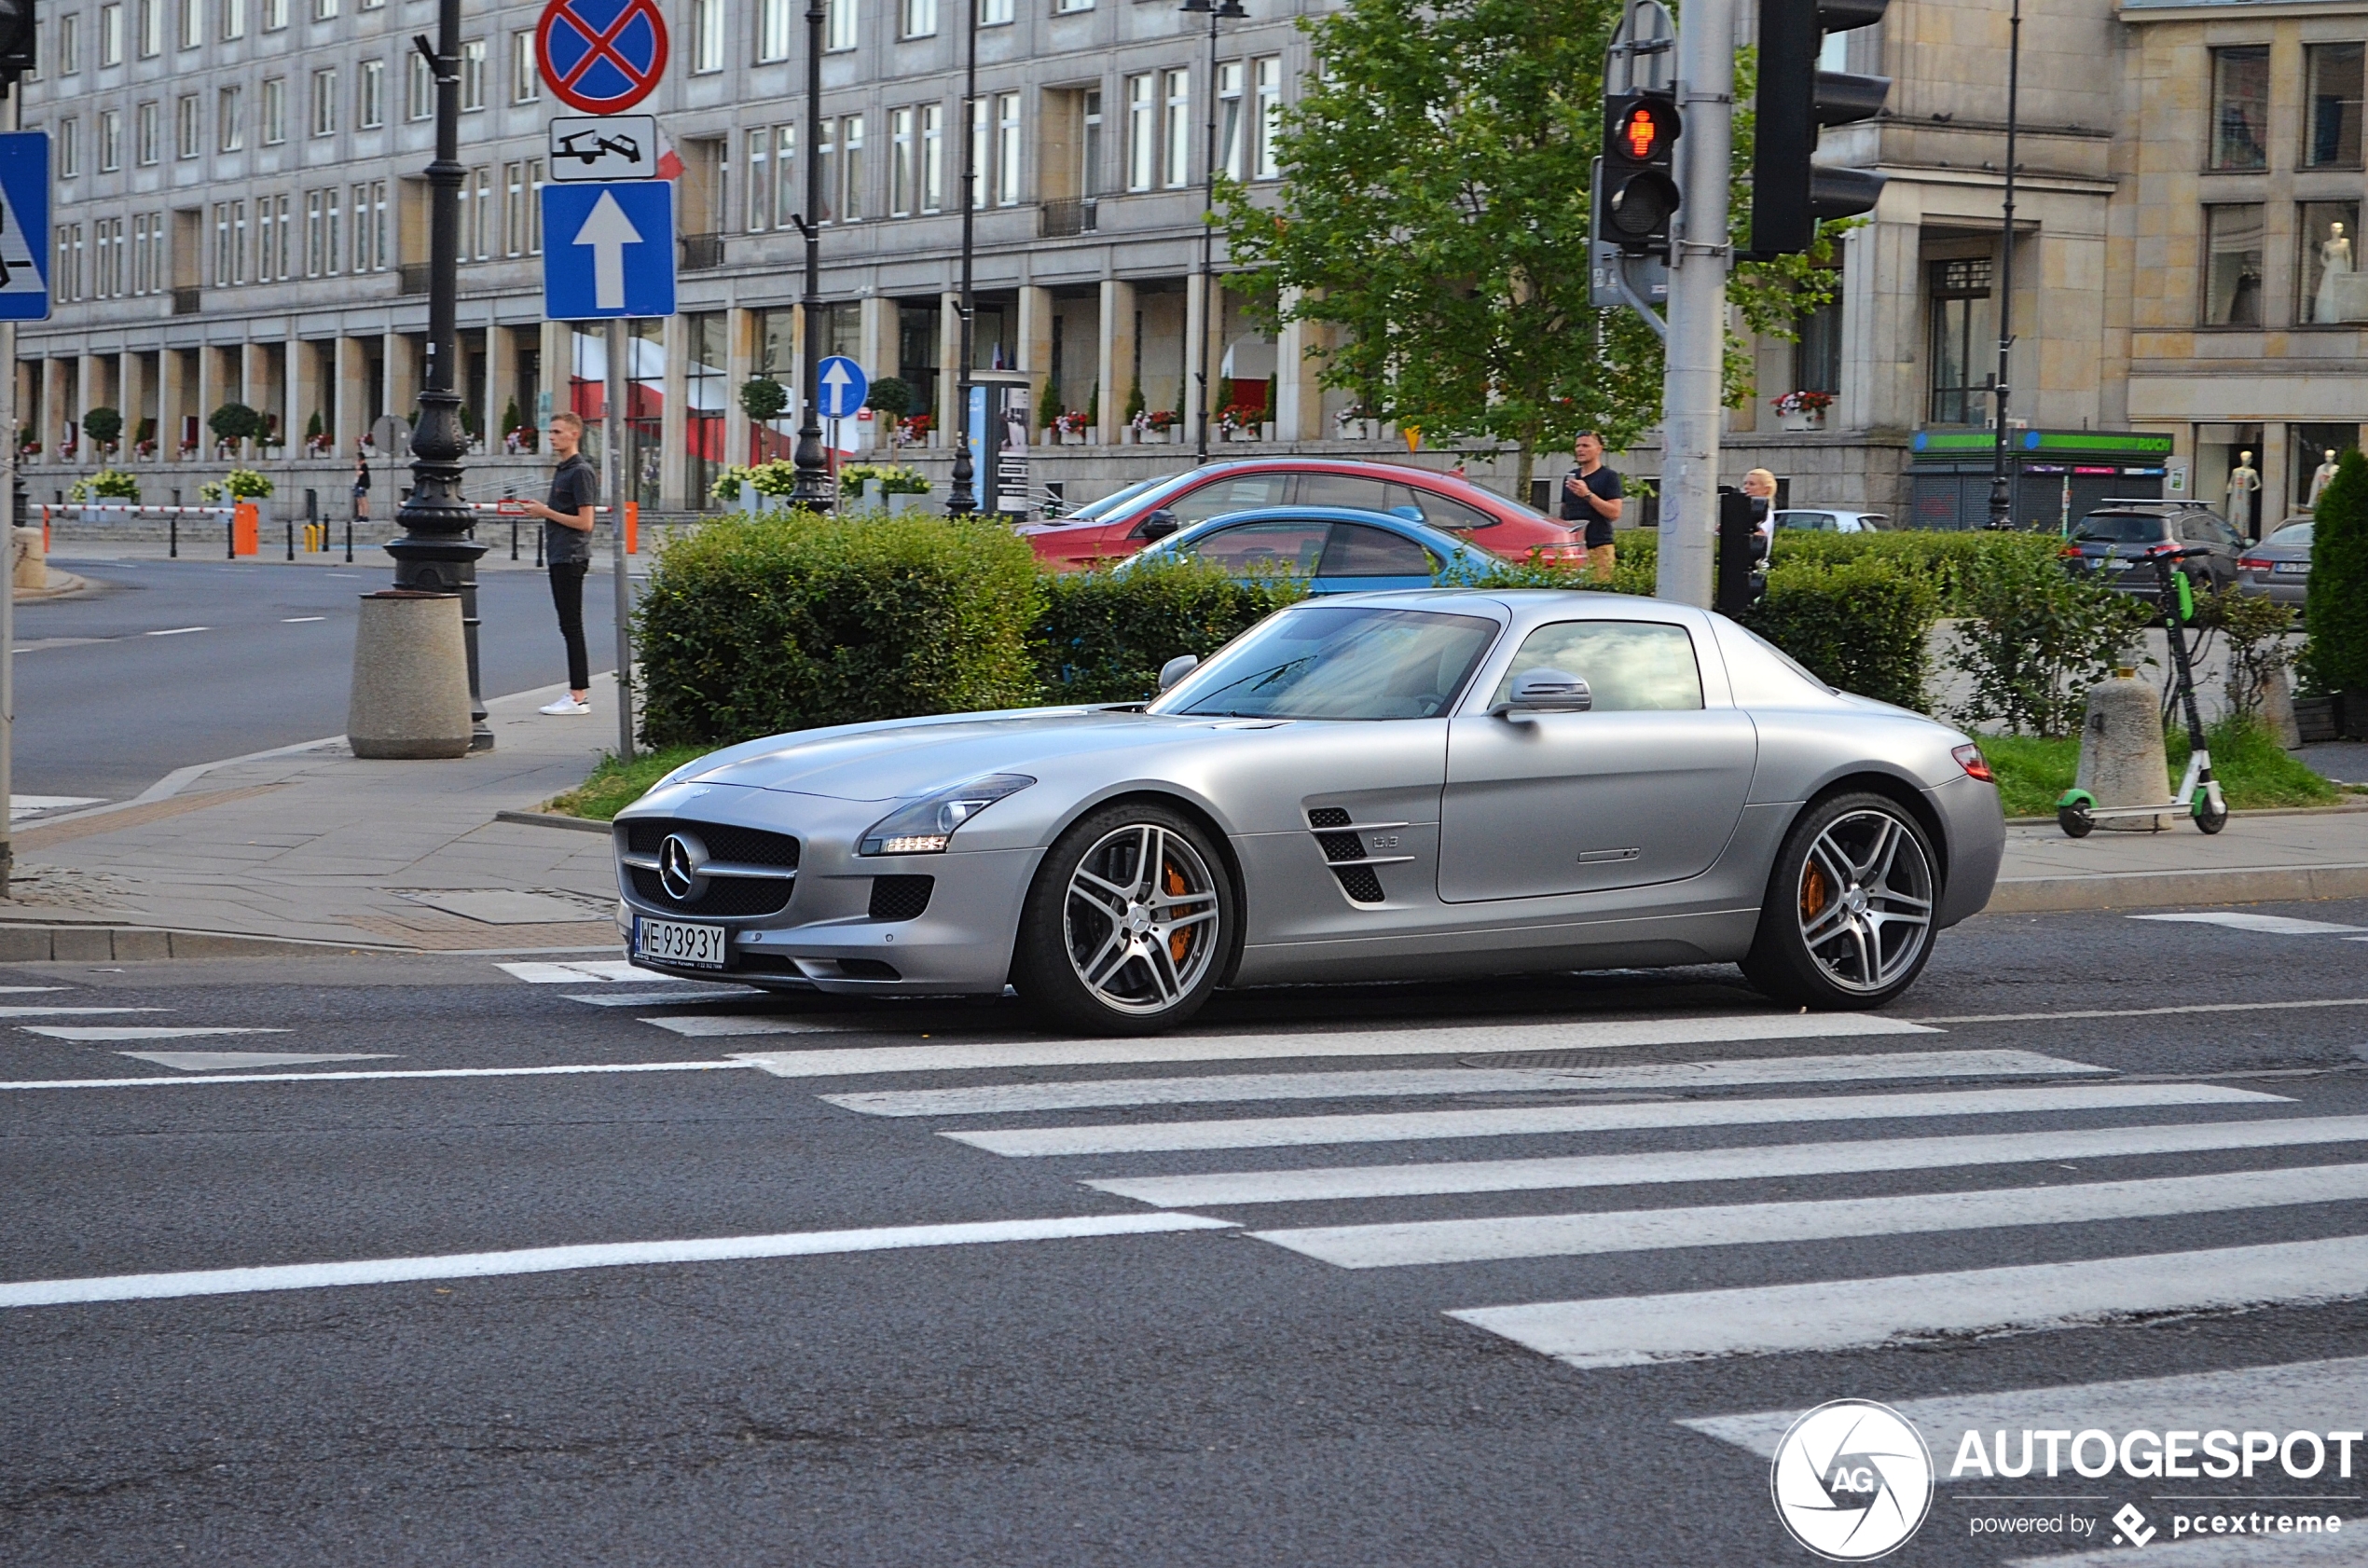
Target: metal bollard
291	539
349	539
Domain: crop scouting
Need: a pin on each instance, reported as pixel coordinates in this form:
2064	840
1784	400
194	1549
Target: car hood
898	759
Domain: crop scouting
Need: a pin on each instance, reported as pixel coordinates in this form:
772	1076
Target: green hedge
2337	611
1947	559
1103	636
1856	625
793	621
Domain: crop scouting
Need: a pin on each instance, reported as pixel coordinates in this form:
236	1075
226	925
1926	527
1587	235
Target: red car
1119	524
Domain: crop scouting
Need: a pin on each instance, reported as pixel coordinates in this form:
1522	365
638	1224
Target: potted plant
1802	410
107	484
240	484
103	425
1072	425
144	439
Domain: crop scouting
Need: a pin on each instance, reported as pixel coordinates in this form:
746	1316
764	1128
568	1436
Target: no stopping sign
601	55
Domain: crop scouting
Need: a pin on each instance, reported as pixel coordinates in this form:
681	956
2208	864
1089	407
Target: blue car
1333	549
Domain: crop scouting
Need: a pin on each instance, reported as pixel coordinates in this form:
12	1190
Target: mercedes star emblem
679	859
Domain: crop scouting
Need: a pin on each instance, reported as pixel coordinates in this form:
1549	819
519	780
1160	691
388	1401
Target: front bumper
828	938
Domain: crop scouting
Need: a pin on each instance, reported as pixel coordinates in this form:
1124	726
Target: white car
1832	519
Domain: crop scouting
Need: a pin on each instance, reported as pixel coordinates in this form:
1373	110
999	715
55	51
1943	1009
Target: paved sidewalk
313	846
2257	857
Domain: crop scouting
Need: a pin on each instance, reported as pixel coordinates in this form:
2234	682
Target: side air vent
1359	883
901	897
1340	837
1328	816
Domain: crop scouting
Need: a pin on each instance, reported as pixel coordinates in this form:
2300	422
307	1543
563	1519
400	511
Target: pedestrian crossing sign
24	226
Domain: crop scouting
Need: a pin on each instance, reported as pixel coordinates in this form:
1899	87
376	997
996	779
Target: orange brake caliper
1178	943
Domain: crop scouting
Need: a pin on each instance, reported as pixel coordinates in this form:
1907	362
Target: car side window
1439	511
1276	549
1358	551
1347	489
1237	494
1628	666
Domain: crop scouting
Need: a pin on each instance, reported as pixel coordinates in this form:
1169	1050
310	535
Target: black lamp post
812	487
439	551
962	496
2002	505
1223	11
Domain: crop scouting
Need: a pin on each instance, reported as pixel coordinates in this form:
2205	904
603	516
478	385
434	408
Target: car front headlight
926	826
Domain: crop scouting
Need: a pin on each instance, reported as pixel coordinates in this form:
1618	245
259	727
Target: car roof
1524	607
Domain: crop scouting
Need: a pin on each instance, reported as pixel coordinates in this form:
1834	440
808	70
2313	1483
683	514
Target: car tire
1846	923
1128	925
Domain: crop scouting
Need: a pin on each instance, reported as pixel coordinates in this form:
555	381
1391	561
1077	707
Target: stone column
212	394
949	359
1299	400
2276	468
875	346
89	390
306	395
1035	342
559	368
1883	318
253	375
350	403
172	404
1114	355
1196	333
740	367
131	383
501	380
674	428
402	382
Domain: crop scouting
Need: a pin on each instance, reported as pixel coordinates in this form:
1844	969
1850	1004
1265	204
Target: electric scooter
2077	813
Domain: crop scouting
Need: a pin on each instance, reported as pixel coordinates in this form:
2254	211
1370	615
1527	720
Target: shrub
891	396
1860	626
785	622
108	484
2337	611
240	484
102	424
234	422
778	477
1048	405
1103	635
763	398
1135	404
2033	638
894	478
2256	630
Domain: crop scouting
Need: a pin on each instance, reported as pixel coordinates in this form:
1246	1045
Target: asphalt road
1193	1397
175	663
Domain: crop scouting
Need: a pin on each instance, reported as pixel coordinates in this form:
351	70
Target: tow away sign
611	148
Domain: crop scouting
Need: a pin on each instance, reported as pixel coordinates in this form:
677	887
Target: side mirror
1159	525
1545	691
1177	668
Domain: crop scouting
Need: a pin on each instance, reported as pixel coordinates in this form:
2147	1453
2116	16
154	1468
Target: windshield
2296	534
1094	511
1338	662
2122	528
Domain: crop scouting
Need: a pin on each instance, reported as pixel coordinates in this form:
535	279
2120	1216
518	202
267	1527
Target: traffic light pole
1691	383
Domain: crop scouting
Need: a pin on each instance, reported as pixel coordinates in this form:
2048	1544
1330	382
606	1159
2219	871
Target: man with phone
567	551
1592	494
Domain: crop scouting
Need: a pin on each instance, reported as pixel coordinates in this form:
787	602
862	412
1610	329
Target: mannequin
2335	261
2244	483
2326	472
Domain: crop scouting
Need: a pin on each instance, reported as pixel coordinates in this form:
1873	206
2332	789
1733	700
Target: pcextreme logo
1852	1480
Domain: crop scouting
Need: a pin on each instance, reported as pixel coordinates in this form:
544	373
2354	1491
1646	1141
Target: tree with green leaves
102	424
234	422
2336	609
1434	213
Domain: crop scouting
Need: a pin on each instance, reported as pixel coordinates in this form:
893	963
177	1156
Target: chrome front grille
712	869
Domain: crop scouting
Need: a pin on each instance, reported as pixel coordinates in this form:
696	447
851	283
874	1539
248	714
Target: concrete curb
41	944
552	820
2157	889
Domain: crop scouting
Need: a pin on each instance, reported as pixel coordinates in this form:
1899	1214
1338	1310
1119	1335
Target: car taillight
1973	763
2070	552
2252	563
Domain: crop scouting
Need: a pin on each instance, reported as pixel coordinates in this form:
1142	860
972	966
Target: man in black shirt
566	547
1591	495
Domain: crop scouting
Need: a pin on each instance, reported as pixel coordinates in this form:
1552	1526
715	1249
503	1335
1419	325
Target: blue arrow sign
608	250
844	388
24	226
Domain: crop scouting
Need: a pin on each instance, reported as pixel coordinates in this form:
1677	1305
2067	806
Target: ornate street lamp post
2001	506
1223	10
812	488
962	496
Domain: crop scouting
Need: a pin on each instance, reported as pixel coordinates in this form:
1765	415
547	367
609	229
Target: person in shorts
1591	496
567	551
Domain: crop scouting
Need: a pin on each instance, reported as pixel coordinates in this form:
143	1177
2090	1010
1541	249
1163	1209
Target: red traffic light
1642	132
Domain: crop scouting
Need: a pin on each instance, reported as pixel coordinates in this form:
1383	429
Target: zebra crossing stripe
2223	1552
1284	1131
1095	1093
1759	1162
1862	1314
1588	1036
1399	1244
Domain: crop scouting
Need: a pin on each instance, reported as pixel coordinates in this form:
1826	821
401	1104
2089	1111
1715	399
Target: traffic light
16	41
1638	194
1790	195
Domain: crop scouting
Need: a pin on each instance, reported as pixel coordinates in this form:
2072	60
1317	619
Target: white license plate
2114	563
2290	568
670	942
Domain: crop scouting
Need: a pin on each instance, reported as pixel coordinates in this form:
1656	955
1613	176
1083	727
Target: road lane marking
100	1035
81	1011
711	1027
1291	1131
2142	1012
578	970
1591	1035
176	631
666	998
1865	1313
1752	1162
375	1073
604	1255
300	620
1083	1094
1403	1243
212	1060
2242	920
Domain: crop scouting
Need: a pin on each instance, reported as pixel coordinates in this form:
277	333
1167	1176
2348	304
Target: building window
1817	353
526	82
149	25
759	181
995	13
184	125
1959	307
1266	81
371	250
980	171
70	44
419	93
2233	265
705	398
1230	77
110	36
272	111
773	30
932	157
1007	149
2240	107
325	102
477	215
2331	287
192	23
272	239
826	156
370	110
229	243
147	252
324	10
320	233
2331	114
920	18
275	15
65	281
1142	133
230	119
1063	7
1175	167
234	18
902	162
147	135
838	26
706	36
69	148
472	75
106	259
851	155
110	141
522	203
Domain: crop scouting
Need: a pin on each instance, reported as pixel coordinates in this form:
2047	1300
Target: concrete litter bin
410	677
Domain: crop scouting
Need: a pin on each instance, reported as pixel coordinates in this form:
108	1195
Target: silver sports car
1392	785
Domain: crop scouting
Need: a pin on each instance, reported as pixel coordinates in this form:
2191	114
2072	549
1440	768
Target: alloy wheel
1866	900
1140	918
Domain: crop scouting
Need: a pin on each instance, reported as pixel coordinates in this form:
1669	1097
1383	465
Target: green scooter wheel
2209	817
2075	821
